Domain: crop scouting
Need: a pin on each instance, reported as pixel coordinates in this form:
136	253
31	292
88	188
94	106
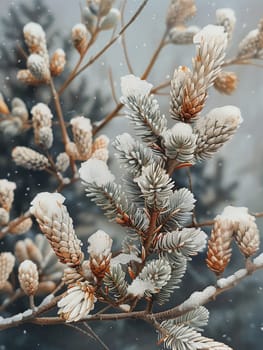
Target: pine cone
4	217
219	250
247	237
29	159
100	253
28	277
79	35
55	222
215	129
57	62
226	82
38	68
82	133
26	77
62	162
7	262
35	38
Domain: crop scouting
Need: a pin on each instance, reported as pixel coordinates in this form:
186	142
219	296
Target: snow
46	300
228	281
27	266
125	259
35	30
124	142
198	299
240	273
41	110
211	33
79	31
27	313
182	130
226	13
95	171
60	52
125	307
47	204
251	35
81	123
6	185
15	318
199	239
134	86
139	287
258	261
226	114
235	214
35	60
100	243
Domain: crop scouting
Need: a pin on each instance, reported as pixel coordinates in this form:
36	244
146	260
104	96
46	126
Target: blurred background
234	176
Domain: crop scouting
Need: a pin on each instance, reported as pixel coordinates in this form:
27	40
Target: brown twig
202	224
123	40
17	294
155	56
108	118
96	337
105	48
12	224
119	107
150	231
78	64
63	128
62	124
176	311
113	92
241	61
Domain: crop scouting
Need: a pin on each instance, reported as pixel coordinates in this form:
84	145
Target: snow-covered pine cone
6	194
29	159
28	277
247	237
219	246
99	250
57	62
55	222
7	262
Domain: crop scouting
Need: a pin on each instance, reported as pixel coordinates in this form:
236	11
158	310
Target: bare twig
12	224
113	92
105	48
78	64
179	310
79	329
155	56
123	40
119	107
63	128
95	336
241	61
8	301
